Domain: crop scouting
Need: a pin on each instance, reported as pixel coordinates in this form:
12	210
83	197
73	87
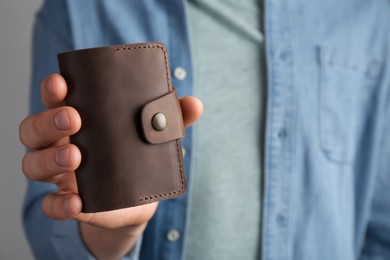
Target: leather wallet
131	125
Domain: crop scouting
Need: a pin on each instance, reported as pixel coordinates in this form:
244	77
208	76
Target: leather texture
117	90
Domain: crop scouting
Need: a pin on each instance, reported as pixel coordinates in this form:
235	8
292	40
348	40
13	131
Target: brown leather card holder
131	125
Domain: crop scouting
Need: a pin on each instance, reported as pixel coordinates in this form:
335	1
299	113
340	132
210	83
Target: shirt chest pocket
347	87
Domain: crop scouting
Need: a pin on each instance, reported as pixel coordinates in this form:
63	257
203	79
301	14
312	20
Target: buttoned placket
279	132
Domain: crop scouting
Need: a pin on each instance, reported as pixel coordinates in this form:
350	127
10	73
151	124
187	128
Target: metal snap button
159	121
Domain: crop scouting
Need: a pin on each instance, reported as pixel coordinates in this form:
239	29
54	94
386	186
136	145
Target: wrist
110	243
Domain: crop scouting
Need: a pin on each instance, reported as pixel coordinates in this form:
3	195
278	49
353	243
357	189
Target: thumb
192	109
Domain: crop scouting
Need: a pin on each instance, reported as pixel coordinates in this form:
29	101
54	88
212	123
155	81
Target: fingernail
65	205
61	120
62	158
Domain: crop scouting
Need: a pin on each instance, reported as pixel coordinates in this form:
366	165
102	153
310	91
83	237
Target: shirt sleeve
51	239
68	244
377	241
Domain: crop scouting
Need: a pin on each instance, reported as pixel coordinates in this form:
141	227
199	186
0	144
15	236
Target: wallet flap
162	119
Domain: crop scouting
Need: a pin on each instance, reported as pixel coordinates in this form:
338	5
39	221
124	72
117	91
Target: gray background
16	18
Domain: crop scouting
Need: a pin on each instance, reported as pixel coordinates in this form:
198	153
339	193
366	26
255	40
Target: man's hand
54	159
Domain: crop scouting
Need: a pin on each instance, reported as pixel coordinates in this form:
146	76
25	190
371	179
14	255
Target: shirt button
183	151
173	235
282	133
180	73
281	220
285	55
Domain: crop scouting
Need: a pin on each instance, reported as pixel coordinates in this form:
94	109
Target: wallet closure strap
162	119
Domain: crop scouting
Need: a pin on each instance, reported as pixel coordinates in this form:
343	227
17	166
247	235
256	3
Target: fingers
121	217
53	90
40	130
47	163
192	109
61	206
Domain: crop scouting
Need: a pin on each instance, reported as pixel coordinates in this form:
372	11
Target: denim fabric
326	175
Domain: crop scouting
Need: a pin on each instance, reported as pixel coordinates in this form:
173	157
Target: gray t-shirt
230	78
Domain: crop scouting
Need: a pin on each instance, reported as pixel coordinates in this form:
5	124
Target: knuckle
51	206
22	133
25	168
47	203
38	127
43	165
36	166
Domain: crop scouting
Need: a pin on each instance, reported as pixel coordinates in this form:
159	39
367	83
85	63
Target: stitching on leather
154	197
148	47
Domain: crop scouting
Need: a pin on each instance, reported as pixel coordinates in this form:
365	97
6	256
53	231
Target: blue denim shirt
327	179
